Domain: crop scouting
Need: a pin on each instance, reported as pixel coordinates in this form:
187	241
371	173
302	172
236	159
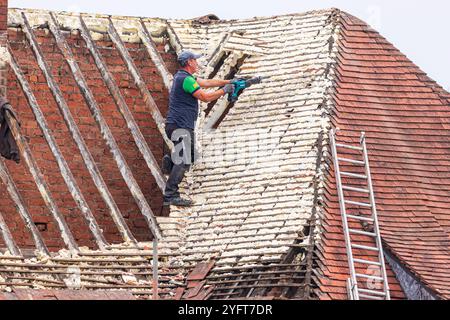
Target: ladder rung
353	175
348	147
355	189
351	161
361	204
357	246
359	275
370	297
377	293
363	233
359	218
374	263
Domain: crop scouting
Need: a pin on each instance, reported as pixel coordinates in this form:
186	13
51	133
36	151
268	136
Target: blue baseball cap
186	55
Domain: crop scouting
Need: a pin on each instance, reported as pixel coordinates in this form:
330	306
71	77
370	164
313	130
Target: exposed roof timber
123	107
173	38
216	114
41	183
62	164
216	55
106	132
75	133
234	42
20	204
8	238
247	45
148	99
154	54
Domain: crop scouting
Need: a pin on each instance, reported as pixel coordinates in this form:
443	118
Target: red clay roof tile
379	91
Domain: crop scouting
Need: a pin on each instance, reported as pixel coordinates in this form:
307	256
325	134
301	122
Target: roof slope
256	208
254	185
406	117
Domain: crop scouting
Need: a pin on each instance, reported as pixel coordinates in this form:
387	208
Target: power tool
241	84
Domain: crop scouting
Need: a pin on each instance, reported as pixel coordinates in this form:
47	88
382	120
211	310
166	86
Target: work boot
178	201
167	164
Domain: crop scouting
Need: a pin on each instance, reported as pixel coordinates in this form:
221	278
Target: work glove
228	88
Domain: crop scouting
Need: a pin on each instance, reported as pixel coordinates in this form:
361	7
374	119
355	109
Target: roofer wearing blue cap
183	112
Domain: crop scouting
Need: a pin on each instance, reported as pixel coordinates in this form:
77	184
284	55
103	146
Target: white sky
417	28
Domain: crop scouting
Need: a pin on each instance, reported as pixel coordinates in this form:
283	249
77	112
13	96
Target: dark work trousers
181	164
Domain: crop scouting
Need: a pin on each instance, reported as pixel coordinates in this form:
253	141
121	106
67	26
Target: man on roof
182	116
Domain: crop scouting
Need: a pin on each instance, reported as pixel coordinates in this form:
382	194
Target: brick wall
3	38
3	14
91	134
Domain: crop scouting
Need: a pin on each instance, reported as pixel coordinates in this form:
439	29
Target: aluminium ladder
355	290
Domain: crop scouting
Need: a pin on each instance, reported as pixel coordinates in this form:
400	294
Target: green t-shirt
190	85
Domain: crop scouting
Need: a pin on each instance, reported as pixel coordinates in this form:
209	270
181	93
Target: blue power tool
241	84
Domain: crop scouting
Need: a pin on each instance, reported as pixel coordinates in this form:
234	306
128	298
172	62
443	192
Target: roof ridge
105	15
433	84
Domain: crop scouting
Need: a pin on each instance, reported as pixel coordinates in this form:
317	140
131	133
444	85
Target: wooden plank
107	135
154	54
139	81
42	185
8	238
200	271
64	271
66	173
174	39
70	122
215	57
123	107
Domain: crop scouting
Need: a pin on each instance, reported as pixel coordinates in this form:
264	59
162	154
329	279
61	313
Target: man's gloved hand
228	88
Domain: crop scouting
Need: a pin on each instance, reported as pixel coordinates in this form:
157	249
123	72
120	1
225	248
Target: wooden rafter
106	132
123	107
70	122
148	99
154	54
42	185
8	238
61	161
21	207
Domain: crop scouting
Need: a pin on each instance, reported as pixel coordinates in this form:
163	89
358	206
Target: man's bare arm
210	83
205	96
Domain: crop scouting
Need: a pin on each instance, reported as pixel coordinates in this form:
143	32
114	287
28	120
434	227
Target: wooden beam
76	135
8	238
215	114
148	99
173	38
215	56
21	208
104	129
123	107
154	54
60	160
42	185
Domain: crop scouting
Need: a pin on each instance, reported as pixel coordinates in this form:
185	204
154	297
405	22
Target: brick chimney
3	39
